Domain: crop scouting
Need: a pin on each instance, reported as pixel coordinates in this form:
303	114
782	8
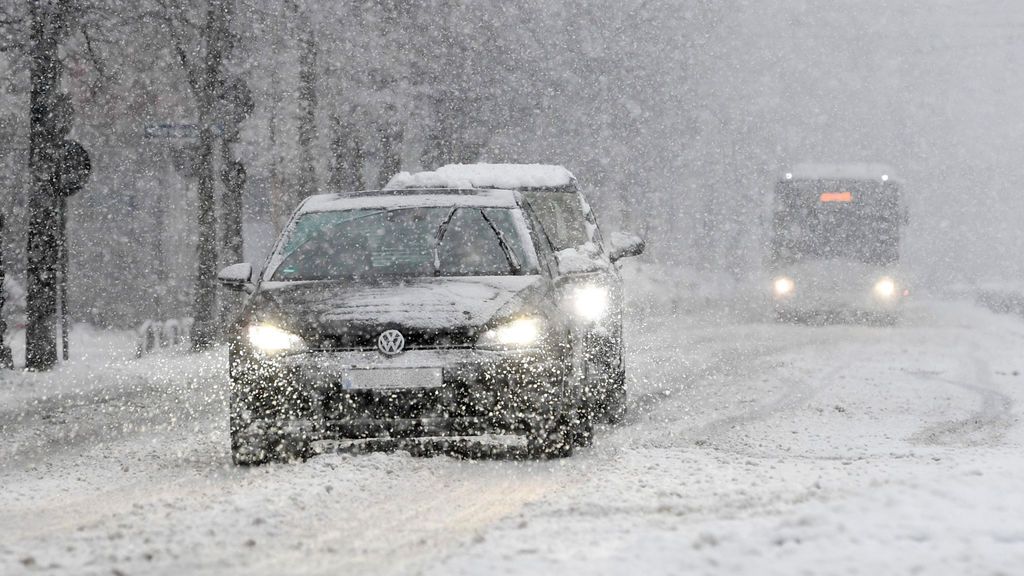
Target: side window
593	230
541	240
562	217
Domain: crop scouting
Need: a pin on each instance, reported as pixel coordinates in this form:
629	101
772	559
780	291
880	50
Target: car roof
420	197
521	177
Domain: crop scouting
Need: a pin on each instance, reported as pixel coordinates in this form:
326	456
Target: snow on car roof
501	176
850	171
409	199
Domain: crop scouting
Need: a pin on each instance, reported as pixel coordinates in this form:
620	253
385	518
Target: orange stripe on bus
836	197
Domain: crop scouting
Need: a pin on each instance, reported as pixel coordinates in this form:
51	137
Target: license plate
391	378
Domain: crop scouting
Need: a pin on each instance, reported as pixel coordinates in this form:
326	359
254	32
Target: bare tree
50	113
6	361
348	155
236	104
201	50
390	135
308	74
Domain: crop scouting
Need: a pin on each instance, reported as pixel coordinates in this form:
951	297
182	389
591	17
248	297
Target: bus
835	242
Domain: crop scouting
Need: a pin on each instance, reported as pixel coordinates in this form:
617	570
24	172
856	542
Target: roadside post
6	358
76	166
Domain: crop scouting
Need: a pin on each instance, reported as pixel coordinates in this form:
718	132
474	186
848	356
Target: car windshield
561	215
405	242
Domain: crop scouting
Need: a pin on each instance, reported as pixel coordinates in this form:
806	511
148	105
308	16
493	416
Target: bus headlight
784	286
885	288
590	302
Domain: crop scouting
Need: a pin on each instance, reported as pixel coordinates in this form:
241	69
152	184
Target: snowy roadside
1003	299
104	393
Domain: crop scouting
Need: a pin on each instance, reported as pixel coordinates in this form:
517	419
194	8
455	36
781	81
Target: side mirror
237	277
624	244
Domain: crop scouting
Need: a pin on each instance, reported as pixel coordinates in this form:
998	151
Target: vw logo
390	342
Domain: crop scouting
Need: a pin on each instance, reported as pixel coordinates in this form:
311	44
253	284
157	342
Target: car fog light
272	340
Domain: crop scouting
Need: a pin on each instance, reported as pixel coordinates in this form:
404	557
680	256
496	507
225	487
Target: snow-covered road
751	448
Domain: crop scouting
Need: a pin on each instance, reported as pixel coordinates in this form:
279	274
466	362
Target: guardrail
155	335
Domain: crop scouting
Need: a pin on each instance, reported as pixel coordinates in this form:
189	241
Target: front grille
414	340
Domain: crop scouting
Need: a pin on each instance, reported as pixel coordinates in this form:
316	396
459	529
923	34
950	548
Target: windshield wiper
438	238
513	262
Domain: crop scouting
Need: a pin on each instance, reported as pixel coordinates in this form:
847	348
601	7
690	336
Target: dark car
587	262
405	314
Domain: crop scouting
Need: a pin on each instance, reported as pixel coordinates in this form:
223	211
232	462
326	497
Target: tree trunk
6	361
449	140
349	157
236	104
233	176
44	148
204	328
391	135
278	207
307	116
203	311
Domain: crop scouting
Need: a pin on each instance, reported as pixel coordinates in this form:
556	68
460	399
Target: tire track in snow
690	395
985	426
429	522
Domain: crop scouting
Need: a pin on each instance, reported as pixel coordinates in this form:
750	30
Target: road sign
74	169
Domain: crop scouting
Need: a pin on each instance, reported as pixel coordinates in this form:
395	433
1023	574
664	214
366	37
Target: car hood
422	305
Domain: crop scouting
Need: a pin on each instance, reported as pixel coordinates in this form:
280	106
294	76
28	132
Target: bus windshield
836	219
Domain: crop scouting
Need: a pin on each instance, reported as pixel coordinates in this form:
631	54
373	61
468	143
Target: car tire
789	316
583	430
254	445
615	403
247	449
887	319
555	439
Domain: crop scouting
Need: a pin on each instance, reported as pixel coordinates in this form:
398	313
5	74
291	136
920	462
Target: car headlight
885	288
784	286
590	302
518	333
271	340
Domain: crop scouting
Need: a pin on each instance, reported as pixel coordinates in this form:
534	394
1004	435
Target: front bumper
481	392
835	301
